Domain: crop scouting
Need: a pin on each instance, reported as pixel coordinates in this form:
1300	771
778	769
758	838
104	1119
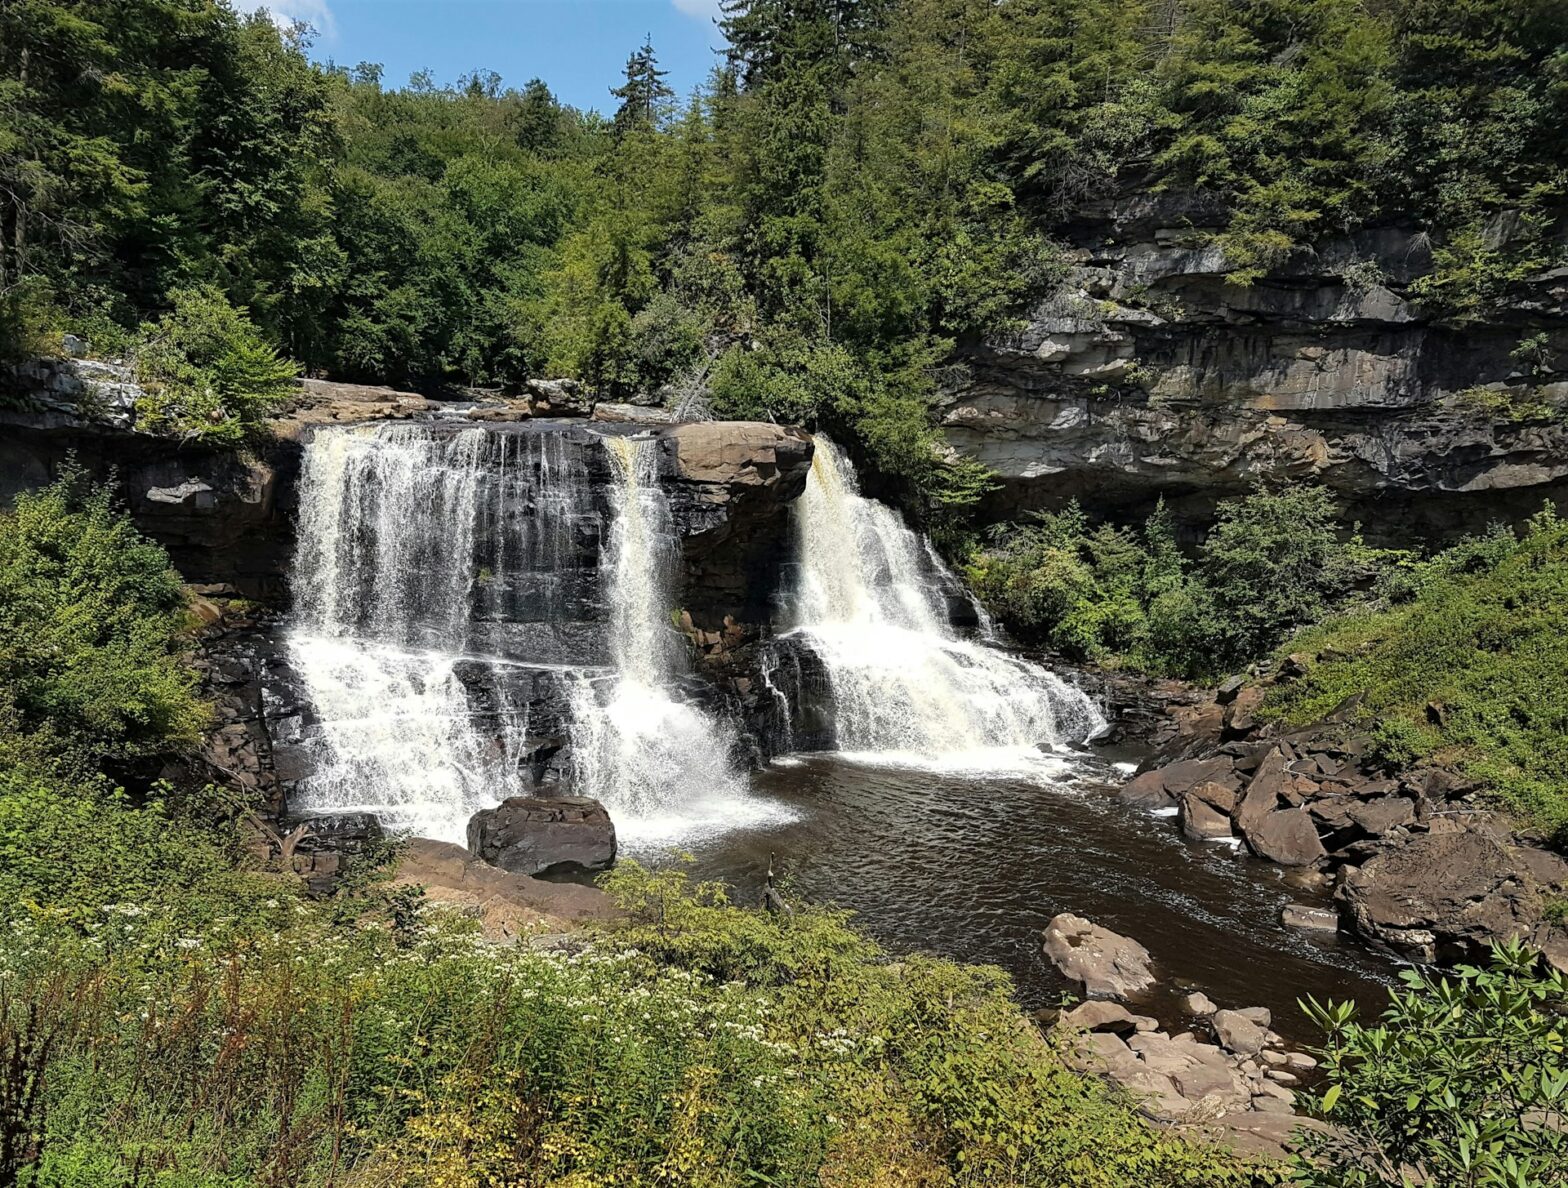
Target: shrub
692	1043
1463	1081
1272	563
209	374
91	617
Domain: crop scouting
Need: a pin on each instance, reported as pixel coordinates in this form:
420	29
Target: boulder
1107	964
1261	795
1444	896
1286	836
1099	1015
1239	1034
534	834
1199	1004
1145	791
1312	919
1199	819
1376	817
1241	714
1203	811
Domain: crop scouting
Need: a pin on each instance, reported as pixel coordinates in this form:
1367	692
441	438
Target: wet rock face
534	835
1154	376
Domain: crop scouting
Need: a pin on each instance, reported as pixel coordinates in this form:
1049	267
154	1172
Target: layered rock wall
1151	375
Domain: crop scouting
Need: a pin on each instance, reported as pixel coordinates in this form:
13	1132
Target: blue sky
579	47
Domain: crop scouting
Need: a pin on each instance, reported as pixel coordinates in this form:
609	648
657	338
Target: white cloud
705	9
286	13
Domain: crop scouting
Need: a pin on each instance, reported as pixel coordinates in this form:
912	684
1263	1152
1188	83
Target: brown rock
1145	791
1286	836
1444	896
508	906
1108	965
1261	795
1199	819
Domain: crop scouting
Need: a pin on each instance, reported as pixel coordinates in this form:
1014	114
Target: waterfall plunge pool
973	866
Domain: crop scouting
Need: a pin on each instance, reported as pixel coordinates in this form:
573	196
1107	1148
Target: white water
387	559
905	688
432	562
662	766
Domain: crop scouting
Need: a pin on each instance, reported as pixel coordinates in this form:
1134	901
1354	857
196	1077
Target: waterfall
469	599
871	602
661	765
413	543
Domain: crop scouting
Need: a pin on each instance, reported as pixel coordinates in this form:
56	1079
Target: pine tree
645	92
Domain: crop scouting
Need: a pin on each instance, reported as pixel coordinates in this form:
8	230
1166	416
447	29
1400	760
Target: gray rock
1099	1015
533	834
1313	919
1239	1034
1107	964
1198	1004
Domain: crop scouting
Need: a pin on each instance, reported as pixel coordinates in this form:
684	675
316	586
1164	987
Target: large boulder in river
1108	965
535	834
1445	896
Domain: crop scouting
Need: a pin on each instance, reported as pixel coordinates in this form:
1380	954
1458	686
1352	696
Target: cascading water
870	605
413	540
661	765
466	599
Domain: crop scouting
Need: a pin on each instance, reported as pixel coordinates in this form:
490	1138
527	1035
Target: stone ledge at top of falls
1151	375
228	518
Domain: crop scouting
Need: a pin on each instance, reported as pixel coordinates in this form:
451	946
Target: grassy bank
1461	661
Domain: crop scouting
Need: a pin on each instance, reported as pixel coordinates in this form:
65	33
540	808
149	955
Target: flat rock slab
1107	964
508	906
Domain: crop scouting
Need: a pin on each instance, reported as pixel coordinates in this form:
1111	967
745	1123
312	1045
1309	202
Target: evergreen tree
644	94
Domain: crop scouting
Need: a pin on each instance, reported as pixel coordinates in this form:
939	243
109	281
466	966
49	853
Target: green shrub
91	617
691	1043
1463	1081
1272	562
208	372
1469	668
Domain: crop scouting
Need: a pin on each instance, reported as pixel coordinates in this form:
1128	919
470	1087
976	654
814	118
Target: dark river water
974	868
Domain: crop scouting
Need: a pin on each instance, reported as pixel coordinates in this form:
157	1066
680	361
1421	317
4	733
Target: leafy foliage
207	373
693	1043
1463	1081
90	622
1273	562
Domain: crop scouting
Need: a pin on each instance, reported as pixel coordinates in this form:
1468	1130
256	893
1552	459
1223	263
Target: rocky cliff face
228	518
1151	375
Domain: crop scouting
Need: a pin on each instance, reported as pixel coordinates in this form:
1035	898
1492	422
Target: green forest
860	185
859	189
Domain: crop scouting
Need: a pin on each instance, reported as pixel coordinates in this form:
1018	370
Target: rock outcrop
509	907
1153	375
535	835
1233	1087
1415	862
